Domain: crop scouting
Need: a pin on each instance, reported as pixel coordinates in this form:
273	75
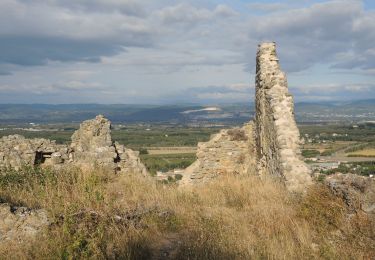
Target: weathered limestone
17	151
91	146
358	192
277	135
277	141
129	161
228	152
20	223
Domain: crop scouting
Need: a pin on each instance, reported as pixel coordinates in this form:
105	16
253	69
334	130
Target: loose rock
358	192
20	223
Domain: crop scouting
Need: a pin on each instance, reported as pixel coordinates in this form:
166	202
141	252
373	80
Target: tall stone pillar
277	135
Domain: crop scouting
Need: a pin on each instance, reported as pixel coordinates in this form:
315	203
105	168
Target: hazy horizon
250	102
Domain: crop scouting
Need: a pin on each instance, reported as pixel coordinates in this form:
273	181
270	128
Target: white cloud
40	89
44	19
166	61
187	14
78	74
224	11
121	42
335	91
267	7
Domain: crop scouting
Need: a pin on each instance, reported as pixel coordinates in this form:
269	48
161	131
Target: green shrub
310	153
143	151
327	153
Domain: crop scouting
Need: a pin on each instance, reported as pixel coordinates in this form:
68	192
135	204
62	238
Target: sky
172	51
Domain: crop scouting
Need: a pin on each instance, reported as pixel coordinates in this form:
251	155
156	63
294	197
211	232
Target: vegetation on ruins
237	134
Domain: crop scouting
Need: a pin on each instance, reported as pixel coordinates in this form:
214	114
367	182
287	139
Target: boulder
358	192
20	223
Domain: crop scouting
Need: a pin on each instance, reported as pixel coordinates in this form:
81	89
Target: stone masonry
273	148
16	151
228	152
92	143
91	146
276	134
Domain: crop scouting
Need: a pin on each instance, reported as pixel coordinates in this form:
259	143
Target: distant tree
143	151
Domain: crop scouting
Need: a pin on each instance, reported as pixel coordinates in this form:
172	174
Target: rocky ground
20	223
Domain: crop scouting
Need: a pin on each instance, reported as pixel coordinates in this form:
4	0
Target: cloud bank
169	48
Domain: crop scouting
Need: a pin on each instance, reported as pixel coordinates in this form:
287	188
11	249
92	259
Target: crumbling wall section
276	133
91	146
16	151
230	151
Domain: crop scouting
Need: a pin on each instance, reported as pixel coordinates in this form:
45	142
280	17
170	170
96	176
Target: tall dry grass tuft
243	217
85	222
338	233
101	216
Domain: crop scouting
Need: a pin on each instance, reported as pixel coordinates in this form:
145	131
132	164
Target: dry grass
237	134
234	217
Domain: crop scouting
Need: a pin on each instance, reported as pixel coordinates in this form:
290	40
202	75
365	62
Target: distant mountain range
360	110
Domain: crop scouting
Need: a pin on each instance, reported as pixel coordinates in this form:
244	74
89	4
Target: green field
138	137
166	162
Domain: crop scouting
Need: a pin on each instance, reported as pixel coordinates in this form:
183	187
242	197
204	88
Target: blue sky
172	51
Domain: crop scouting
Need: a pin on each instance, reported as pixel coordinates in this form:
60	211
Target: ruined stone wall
91	146
228	152
92	143
16	151
276	134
